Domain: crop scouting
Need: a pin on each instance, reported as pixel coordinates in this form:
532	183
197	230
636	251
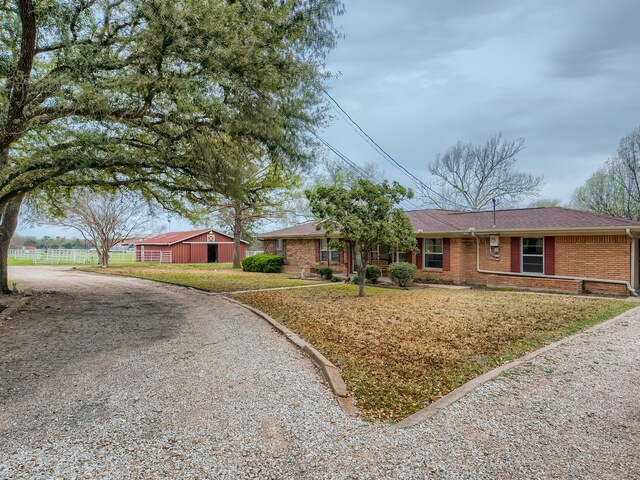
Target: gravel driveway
113	377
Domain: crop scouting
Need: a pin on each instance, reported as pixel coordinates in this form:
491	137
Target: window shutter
516	243
420	258
275	246
318	246
284	248
446	254
549	255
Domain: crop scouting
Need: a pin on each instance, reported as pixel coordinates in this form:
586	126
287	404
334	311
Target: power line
381	151
354	166
367	138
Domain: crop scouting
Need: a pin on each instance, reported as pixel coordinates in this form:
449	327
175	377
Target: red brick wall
594	256
268	247
574	286
463	261
603	256
301	254
605	289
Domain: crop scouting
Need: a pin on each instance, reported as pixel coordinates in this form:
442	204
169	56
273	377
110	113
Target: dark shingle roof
448	221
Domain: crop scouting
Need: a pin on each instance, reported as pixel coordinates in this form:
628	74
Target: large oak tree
111	92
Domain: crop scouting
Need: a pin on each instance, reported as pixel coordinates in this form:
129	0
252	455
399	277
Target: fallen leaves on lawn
400	350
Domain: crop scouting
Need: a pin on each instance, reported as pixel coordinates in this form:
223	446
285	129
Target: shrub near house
402	273
263	262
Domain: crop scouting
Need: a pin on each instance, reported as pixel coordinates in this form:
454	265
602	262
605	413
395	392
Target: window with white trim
326	252
433	253
279	247
533	255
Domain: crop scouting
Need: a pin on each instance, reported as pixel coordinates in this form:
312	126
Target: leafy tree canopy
247	186
111	92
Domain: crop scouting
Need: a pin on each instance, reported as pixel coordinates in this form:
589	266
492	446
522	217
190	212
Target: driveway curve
112	377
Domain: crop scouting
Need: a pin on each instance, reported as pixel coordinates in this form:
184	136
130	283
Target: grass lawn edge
518	352
467	388
277	282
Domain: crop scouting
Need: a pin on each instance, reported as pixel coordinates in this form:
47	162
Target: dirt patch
6	302
57	330
401	350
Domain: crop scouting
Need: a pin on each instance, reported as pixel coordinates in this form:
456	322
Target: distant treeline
19	241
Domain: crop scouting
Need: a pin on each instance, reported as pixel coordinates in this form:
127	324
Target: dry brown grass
400	350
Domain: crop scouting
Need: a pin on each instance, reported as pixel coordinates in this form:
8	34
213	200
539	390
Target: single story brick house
550	248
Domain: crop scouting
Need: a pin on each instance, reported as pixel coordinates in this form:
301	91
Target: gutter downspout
634	258
557	277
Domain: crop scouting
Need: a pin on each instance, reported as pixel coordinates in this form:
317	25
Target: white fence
57	256
153	256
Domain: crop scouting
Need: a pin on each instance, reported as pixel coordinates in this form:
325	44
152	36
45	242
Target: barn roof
454	222
171	238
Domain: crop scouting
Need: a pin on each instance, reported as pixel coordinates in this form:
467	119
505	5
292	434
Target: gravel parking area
113	377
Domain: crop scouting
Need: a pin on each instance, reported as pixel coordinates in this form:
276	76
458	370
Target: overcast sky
419	75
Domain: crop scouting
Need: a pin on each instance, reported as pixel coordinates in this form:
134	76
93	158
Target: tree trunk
10	212
104	258
237	236
361	268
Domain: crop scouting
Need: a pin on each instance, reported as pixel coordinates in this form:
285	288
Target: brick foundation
528	283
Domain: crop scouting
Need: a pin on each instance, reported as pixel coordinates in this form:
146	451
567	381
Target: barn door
212	253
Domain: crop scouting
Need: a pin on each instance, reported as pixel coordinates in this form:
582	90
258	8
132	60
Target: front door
212	253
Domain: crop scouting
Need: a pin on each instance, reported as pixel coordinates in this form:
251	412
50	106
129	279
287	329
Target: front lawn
400	350
217	277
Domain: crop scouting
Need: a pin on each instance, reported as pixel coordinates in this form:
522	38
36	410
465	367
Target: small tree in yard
365	214
103	219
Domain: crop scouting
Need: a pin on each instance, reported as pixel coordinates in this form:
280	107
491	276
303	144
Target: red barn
197	246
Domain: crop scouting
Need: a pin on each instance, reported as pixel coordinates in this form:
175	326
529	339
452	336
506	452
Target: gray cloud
420	75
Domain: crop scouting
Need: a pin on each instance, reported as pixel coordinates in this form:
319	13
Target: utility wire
354	166
382	152
369	140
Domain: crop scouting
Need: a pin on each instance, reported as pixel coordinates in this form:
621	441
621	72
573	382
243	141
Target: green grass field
213	277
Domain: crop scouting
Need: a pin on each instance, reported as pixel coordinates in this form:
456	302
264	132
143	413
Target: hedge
263	262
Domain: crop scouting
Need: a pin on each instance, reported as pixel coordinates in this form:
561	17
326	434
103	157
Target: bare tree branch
104	219
473	175
615	188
